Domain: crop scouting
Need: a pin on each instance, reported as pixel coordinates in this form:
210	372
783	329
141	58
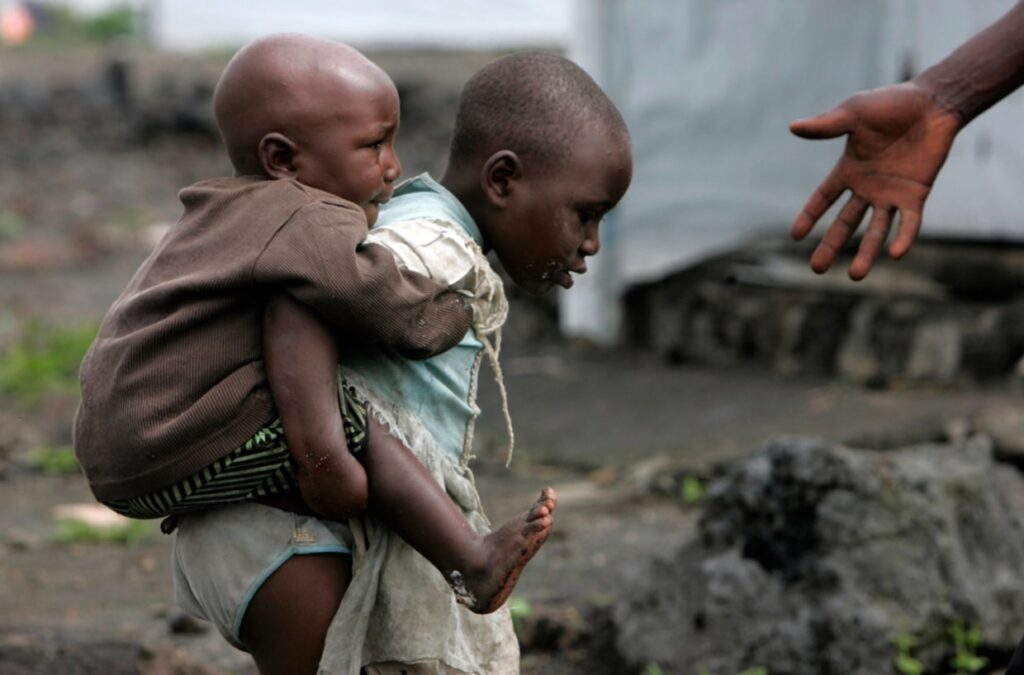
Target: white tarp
202	24
708	87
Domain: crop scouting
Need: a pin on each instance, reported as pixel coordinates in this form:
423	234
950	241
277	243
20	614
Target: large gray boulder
813	558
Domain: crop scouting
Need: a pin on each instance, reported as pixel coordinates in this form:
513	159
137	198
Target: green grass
520	608
55	460
44	359
77	532
66	27
692	490
12	224
113	23
131	218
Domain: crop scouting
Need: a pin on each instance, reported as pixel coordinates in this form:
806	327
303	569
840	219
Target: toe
550	498
540	524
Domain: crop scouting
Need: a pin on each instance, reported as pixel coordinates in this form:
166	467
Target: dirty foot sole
511	547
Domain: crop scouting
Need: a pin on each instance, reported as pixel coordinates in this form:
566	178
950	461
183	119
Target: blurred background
669	396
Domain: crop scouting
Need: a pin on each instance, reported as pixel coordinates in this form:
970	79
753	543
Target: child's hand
898	137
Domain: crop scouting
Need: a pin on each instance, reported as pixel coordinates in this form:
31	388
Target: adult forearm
982	71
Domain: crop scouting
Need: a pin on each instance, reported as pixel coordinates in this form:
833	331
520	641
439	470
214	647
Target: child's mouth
561	274
382	199
564	277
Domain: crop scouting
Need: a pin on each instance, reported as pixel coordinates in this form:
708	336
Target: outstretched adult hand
898	137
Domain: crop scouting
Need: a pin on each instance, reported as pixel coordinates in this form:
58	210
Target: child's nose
392	167
591	244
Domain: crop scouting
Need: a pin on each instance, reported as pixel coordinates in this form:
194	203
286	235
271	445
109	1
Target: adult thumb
835	122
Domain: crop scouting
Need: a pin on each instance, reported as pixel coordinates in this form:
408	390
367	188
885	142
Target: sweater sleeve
318	257
441	250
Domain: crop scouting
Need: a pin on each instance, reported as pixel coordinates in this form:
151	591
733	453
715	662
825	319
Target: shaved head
532	103
293	85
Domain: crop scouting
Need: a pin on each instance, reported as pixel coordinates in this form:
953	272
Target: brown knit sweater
175	378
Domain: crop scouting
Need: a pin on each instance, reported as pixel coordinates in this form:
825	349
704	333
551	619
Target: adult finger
821	199
871	243
910	225
835	122
838	234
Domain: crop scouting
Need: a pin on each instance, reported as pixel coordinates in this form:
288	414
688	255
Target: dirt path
86	597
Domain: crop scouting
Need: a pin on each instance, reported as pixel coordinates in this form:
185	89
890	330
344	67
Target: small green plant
692	490
758	670
56	460
44	359
904	660
653	669
966	639
78	532
113	23
12	225
131	218
520	608
64	27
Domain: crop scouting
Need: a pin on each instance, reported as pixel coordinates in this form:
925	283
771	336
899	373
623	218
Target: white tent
201	24
708	87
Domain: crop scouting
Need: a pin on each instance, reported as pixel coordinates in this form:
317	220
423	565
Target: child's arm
442	252
319	259
301	361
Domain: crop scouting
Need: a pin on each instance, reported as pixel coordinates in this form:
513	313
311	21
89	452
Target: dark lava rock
813	557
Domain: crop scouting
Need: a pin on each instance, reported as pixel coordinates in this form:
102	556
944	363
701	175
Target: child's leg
301	363
287	620
301	360
482	569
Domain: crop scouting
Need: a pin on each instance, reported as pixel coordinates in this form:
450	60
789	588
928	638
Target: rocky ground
629	441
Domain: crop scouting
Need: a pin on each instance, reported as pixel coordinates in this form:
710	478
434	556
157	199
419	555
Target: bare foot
509	548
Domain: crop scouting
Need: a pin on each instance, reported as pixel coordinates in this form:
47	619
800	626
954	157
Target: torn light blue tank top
437	390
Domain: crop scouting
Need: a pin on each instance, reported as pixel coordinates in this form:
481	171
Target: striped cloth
261	466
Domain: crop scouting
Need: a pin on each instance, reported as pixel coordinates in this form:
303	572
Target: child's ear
277	155
501	172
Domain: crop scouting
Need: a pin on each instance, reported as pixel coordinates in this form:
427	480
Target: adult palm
898	137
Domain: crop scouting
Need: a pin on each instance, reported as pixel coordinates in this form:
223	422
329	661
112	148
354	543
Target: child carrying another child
539	155
174	387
